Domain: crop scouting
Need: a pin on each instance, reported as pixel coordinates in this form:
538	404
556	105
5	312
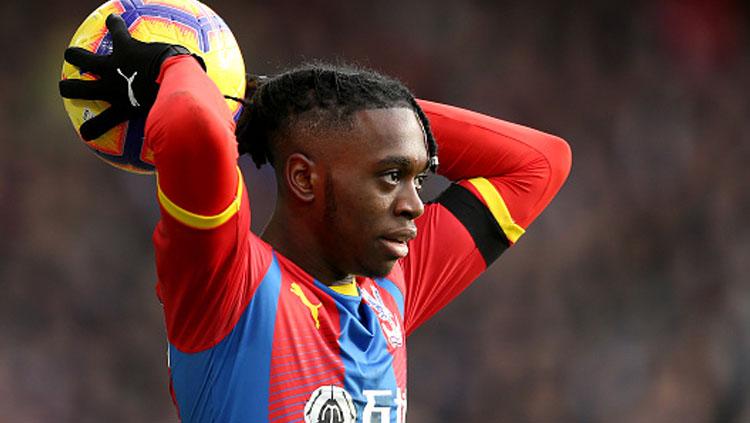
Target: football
185	22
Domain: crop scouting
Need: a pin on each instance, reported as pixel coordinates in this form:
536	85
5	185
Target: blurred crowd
627	300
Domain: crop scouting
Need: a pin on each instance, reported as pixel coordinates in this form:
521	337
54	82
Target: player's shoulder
261	256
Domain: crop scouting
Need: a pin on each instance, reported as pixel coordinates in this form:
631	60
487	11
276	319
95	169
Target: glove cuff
177	50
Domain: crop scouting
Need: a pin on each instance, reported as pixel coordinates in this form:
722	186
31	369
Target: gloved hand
127	77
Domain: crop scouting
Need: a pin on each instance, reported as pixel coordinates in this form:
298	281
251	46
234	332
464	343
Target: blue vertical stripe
395	293
230	382
367	363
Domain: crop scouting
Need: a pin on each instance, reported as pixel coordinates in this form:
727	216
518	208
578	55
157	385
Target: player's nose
408	203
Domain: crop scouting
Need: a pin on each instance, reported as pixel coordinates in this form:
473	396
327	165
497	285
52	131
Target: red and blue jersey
252	336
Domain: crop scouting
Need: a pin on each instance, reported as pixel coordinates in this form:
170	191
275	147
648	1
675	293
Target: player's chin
379	269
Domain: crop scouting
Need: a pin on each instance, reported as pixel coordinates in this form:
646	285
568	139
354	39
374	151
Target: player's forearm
527	167
191	132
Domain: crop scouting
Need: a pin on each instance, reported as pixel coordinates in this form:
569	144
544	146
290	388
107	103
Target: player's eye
393	177
419	181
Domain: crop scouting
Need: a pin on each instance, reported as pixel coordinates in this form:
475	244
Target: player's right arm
203	244
207	260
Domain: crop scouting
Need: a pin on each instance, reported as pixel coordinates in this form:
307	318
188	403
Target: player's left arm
503	176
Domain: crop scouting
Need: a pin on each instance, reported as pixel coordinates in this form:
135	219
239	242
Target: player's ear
300	175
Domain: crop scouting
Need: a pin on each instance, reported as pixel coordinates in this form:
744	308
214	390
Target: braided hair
327	94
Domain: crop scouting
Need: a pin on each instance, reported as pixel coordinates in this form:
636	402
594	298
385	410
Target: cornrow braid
333	93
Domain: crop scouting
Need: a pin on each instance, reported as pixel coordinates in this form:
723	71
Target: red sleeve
207	259
504	175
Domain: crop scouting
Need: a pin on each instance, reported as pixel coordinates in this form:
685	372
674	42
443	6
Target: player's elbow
559	157
189	130
182	113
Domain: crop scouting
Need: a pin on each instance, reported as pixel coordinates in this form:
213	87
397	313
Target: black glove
127	77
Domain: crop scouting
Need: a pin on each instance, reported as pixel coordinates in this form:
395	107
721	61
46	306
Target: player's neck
295	241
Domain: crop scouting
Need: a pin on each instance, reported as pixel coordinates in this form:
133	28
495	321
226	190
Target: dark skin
348	199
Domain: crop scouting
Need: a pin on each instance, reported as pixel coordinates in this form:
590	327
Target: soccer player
309	321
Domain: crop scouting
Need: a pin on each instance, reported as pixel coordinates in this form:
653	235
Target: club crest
391	327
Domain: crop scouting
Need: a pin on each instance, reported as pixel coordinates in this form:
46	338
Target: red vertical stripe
304	356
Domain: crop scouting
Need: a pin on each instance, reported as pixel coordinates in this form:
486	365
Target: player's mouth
396	242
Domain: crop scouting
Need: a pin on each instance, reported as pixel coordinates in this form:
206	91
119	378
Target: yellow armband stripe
198	221
498	208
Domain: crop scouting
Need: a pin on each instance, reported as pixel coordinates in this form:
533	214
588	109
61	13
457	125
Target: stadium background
628	301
